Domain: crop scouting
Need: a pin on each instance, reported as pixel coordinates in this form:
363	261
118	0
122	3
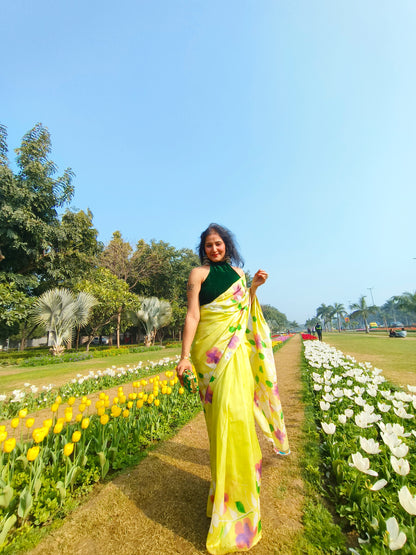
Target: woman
229	342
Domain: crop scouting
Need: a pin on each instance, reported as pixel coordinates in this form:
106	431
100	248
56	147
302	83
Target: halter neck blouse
221	276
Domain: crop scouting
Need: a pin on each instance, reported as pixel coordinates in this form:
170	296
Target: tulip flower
400	466
58	400
104	419
378	485
370	446
82	407
39	434
156	403
78	417
126	413
362	464
407	500
130	405
115	411
76	436
47	423
55	407
30	422
71	401
22	413
58	428
324	406
328	428
181	391
32	453
400	451
101	411
9	445
15	422
396	538
85	423
68	449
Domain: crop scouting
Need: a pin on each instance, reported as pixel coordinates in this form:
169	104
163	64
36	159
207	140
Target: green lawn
395	356
13	377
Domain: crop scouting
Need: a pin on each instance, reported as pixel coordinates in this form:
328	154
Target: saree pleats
237	382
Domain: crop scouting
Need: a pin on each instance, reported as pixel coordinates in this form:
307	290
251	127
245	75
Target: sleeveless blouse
221	276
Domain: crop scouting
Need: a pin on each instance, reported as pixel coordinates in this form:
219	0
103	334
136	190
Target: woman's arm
192	318
259	278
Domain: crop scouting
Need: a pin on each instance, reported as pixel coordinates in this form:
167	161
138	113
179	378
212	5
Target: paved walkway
159	505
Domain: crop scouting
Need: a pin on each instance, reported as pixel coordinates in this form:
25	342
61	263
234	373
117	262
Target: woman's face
215	247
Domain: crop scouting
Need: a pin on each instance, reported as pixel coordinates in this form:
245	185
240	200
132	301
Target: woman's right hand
183	364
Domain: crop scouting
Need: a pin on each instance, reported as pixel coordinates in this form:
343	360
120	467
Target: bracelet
185	357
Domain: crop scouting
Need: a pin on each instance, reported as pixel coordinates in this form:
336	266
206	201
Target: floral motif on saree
233	357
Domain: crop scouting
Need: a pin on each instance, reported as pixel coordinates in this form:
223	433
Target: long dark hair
231	250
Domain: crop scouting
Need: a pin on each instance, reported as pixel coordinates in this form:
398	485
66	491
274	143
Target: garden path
159	505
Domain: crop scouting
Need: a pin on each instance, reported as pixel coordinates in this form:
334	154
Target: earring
227	259
206	261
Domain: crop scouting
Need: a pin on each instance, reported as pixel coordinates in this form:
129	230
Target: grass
13	377
395	356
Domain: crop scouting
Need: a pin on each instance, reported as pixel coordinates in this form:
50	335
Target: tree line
51	261
399	308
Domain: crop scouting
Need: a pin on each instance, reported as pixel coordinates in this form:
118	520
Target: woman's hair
231	250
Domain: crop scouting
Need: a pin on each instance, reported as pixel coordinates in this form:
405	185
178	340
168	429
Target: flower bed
78	447
29	397
368	436
279	340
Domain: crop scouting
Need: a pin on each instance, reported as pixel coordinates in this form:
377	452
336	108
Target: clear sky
292	123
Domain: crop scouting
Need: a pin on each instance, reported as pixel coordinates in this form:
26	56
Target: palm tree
60	311
339	312
362	310
406	301
325	312
154	314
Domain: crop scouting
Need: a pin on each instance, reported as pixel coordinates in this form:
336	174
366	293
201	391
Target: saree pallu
233	358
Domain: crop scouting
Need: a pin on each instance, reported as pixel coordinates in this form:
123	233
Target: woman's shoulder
239	270
199	273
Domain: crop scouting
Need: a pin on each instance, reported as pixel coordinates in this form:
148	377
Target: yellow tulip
32	453
145	396
132	396
78	417
71	401
136	384
181	391
76	436
58	428
104	419
68	448
3	436
22	413
30	422
47	423
39	434
115	411
82	407
9	445
85	423
58	400
140	395
150	400
101	411
151	380
88	402
126	413
115	401
68	416
107	403
84	400
139	404
157	402
2	428
123	399
15	422
168	390
99	404
164	390
102	395
61	420
130	405
172	382
55	407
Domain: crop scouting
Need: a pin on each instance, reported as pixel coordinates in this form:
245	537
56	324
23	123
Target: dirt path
158	507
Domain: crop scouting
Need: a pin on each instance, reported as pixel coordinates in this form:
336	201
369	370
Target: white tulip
362	420
400	466
378	485
370	446
324	406
348	413
383	407
342	419
362	464
397	539
401	413
407	500
328	428
400	451
411	388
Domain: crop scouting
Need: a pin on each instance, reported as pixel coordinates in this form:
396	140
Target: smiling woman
230	345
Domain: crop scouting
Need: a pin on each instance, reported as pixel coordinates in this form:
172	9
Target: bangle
185	357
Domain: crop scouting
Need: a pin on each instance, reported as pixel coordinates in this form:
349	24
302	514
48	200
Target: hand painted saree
232	354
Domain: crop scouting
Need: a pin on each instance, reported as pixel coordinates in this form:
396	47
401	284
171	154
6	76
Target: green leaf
25	503
240	507
5	526
6	496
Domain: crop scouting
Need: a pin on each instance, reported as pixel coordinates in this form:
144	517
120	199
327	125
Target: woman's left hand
259	278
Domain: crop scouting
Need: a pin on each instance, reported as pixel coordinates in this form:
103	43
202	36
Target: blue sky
292	123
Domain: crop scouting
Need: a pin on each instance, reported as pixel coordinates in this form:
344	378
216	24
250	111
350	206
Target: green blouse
221	276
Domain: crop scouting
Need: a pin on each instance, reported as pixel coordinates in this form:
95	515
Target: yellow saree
233	358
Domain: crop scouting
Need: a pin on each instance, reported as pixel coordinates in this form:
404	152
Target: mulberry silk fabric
233	358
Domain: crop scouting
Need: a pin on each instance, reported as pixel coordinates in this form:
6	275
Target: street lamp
371	291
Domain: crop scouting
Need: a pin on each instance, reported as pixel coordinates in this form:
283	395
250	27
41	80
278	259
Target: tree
275	319
114	299
406	302
29	203
60	311
15	308
153	314
116	257
325	313
339	312
362	310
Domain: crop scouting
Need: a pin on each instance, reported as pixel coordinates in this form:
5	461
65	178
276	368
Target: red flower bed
308	336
